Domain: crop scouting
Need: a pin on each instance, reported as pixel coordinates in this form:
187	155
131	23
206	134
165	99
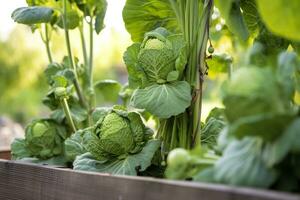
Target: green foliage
242	164
43	143
214	124
285	22
33	15
107	90
154	14
119	143
128	165
154	68
117	132
74	145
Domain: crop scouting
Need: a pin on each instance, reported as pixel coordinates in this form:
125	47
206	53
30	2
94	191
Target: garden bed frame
30	181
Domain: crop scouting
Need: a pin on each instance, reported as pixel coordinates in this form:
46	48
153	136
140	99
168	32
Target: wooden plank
34	182
5	154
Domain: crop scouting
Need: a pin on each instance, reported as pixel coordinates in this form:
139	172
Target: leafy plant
168	69
44	139
118	144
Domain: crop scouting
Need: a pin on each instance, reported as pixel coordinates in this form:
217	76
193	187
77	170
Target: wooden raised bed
5	154
28	181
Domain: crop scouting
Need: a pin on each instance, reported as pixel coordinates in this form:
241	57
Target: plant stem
47	43
71	62
92	100
201	72
84	52
67	112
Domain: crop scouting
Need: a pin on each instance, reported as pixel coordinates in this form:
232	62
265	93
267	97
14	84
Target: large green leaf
288	142
266	126
281	17
164	100
130	58
141	16
235	21
33	15
127	166
74	146
19	149
107	91
242	165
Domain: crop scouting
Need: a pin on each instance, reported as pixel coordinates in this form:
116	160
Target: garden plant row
253	141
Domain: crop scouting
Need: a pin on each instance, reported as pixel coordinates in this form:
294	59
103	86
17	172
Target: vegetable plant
251	141
167	65
99	139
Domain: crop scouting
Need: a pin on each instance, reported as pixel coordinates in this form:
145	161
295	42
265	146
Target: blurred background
23	59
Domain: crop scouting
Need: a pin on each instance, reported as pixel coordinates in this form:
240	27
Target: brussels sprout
116	133
44	138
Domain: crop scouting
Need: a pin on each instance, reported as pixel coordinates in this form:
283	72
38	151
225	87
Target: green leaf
127	166
141	16
74	146
73	20
242	165
58	161
285	22
235	21
19	149
130	58
266	126
173	76
107	90
101	7
164	100
287	142
33	15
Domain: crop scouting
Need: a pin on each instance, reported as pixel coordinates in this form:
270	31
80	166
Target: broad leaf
141	16
74	146
58	161
242	165
127	166
288	142
285	22
235	21
164	100
107	91
266	126
33	15
130	58
19	149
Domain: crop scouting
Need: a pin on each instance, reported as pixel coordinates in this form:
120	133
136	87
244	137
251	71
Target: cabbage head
44	138
252	91
155	69
117	133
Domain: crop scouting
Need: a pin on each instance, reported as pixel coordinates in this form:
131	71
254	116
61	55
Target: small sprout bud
60	92
211	49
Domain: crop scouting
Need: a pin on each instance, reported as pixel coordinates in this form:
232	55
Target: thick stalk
71	62
201	72
47	43
67	112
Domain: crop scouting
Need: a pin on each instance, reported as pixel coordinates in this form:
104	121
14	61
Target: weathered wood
33	182
5	154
